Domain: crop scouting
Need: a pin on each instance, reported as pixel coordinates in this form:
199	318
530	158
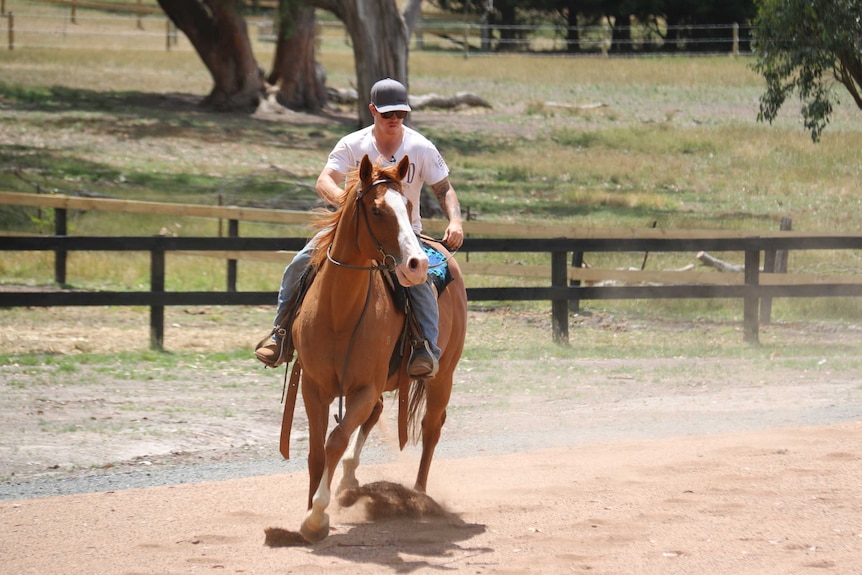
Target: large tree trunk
411	12
295	71
621	41
219	34
508	33
573	36
380	43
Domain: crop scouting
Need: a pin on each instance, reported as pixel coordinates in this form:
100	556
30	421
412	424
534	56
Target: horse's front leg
358	408
350	462
317	411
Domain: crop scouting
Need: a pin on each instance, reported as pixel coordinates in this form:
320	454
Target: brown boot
423	364
271	352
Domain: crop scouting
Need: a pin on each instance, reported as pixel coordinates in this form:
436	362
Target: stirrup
280	334
424	345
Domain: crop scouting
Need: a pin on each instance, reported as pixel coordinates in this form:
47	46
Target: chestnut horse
348	327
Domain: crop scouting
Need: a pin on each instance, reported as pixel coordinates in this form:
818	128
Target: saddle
438	274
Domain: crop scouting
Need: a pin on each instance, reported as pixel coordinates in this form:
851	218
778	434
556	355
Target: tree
802	46
295	71
219	35
380	35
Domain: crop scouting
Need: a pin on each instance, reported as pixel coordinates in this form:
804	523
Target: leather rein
388	263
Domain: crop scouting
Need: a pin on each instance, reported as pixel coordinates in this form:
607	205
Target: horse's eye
375	211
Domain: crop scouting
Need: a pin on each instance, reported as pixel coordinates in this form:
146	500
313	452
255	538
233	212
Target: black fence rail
561	292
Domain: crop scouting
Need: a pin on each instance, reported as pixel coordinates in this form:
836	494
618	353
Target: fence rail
752	286
560	293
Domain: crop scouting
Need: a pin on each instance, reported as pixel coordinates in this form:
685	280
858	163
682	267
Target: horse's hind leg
350	461
438	391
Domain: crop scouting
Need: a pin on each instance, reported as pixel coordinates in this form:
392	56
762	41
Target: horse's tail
416	411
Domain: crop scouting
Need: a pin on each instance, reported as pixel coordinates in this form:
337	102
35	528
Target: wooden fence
566	245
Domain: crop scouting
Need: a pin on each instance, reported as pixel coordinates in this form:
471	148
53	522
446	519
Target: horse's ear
365	169
403	166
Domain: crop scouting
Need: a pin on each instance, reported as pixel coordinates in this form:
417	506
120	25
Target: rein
388	263
440	241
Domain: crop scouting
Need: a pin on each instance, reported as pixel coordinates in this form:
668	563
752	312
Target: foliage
802	46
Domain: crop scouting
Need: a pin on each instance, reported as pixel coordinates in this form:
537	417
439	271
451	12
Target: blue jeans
421	296
290	278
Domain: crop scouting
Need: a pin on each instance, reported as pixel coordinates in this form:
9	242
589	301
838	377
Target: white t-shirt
426	163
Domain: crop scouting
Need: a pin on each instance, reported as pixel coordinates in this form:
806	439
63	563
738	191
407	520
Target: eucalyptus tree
805	47
219	34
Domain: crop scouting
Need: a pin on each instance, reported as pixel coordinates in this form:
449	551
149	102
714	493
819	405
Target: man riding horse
386	142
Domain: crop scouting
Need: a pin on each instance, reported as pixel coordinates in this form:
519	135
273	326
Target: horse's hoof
312	533
346	485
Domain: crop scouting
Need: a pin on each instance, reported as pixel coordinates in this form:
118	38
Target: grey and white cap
389	95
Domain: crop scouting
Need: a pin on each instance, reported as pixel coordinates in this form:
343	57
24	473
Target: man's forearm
448	200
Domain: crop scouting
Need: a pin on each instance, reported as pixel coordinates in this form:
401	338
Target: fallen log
437	101
718	264
421	102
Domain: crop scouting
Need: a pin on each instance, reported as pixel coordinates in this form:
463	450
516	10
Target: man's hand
453	238
329	186
454	235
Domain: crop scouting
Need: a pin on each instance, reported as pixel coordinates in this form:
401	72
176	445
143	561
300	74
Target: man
386	142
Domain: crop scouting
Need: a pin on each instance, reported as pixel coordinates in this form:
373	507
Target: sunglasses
400	114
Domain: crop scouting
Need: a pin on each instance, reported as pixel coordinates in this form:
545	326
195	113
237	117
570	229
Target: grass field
590	142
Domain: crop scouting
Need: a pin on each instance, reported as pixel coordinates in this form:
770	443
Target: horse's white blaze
413	268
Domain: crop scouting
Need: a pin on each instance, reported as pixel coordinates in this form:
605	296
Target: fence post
2	7
73	10
157	312
559	307
466	38
751	328
232	232
11	25
577	263
781	255
774	262
735	51
139	11
418	32
60	229
170	34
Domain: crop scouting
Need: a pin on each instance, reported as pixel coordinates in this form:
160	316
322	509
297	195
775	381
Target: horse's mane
327	221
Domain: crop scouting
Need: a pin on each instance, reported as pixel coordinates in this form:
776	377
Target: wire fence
85	31
70	26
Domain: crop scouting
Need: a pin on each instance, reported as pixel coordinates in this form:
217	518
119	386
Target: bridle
389	262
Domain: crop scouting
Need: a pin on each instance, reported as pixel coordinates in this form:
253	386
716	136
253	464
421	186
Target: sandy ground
784	501
611	466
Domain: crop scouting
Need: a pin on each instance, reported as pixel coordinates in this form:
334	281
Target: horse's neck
345	248
342	287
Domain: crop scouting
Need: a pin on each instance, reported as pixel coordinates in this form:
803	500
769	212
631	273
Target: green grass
587	142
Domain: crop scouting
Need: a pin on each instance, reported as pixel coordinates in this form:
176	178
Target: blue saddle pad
438	267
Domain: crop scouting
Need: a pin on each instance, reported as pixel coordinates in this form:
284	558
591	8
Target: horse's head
387	233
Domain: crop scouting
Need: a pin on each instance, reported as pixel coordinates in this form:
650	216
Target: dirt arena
695	466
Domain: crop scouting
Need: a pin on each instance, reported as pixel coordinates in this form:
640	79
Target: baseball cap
389	96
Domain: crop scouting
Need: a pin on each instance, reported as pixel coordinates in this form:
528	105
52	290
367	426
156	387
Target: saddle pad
438	267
